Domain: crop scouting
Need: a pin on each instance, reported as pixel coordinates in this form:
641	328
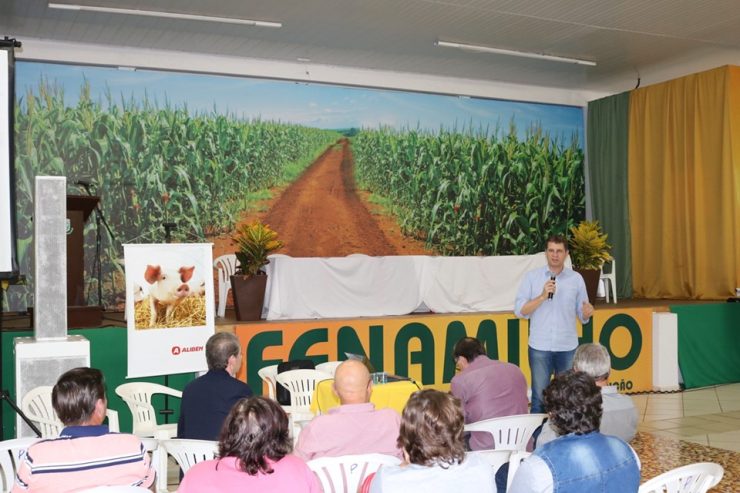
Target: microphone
552	278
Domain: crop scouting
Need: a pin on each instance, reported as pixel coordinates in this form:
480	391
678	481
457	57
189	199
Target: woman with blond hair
431	438
254	455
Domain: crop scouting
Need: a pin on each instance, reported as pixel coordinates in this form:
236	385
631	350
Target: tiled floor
691	426
709	416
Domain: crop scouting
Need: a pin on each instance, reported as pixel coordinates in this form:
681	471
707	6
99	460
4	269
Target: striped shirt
83	457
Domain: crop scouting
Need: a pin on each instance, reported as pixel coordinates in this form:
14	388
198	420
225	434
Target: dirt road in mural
322	214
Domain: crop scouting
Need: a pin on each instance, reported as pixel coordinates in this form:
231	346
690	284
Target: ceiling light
525	54
168	15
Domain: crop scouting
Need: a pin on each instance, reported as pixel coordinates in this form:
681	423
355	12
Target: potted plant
588	252
254	242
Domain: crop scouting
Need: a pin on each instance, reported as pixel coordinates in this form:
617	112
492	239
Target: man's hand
548	288
587	309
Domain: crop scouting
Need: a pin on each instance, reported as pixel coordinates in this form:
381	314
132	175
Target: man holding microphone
551	297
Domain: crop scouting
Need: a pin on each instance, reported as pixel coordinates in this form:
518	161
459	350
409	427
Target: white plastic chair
344	474
138	396
514	462
187	452
329	367
268	374
36	404
113	423
694	478
10	450
609	279
158	461
301	384
496	458
509	432
226	267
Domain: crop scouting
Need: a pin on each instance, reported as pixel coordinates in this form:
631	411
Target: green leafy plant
474	192
208	165
254	242
588	246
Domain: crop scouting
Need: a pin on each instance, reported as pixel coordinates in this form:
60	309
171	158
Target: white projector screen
8	261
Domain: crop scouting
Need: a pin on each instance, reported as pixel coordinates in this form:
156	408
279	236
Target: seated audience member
254	455
581	459
86	454
431	437
207	400
487	388
619	415
355	427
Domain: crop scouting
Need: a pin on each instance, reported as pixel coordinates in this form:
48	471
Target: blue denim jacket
593	463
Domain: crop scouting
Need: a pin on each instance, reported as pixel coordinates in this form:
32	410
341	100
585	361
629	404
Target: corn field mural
334	170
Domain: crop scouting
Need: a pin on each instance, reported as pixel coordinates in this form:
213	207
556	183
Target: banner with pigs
169	307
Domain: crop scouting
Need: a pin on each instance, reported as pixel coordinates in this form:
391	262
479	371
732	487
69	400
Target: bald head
352	382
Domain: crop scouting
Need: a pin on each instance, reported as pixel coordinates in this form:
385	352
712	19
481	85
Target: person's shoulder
387	411
207	465
46	444
291	462
120	439
536	272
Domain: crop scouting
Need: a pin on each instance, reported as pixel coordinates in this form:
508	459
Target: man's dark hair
468	347
573	403
255	430
219	348
558	239
75	394
432	429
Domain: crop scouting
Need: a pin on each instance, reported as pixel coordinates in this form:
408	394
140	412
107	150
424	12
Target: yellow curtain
684	186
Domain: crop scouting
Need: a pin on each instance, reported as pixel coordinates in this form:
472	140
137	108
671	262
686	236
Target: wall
126	58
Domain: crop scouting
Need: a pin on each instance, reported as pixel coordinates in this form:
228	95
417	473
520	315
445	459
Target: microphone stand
99	218
4	395
166	412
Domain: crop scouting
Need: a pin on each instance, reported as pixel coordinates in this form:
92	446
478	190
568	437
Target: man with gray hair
207	400
619	416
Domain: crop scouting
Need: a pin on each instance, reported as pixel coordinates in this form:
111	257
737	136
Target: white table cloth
364	286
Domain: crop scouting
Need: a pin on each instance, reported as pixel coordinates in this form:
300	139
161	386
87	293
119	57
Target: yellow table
393	395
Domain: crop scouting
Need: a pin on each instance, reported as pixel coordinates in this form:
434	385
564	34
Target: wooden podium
79	314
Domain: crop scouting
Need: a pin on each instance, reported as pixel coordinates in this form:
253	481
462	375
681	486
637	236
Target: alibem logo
188	349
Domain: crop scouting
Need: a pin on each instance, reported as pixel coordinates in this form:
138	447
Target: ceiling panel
623	37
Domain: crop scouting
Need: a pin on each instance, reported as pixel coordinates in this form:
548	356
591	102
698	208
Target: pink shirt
290	475
350	429
83	457
489	389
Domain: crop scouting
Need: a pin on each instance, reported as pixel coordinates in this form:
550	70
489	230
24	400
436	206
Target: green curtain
708	352
607	146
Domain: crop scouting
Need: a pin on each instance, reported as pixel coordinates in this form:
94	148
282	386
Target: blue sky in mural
315	105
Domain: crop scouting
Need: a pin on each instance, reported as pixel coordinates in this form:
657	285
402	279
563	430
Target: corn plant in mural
472	194
151	165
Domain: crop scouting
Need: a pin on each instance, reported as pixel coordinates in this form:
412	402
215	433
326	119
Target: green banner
708	349
108	352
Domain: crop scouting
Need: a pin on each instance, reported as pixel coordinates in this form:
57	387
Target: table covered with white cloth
364	286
